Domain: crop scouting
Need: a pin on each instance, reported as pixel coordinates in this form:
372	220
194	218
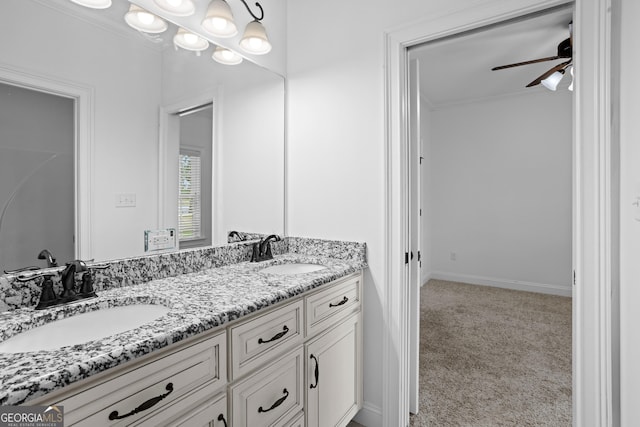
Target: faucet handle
23	269
86	288
48	297
28	277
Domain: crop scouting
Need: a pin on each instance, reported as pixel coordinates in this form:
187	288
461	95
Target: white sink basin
293	268
83	328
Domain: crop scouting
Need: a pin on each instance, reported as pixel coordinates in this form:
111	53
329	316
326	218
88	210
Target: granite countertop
197	301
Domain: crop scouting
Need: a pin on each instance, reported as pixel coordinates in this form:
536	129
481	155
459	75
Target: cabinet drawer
255	342
271	396
171	376
333	304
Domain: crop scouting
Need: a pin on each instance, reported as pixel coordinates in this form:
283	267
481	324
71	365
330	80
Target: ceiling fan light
553	80
144	21
255	39
190	41
219	20
226	56
177	7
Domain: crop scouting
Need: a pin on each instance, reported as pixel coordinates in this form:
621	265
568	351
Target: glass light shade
190	41
94	4
553	80
255	39
142	20
571	71
219	20
177	7
226	56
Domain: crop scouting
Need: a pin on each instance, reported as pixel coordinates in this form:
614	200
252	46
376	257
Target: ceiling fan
565	50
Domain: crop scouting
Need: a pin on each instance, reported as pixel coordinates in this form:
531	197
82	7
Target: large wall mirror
131	97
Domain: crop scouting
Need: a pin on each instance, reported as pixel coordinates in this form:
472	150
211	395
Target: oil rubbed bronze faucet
262	249
72	289
46	254
68	279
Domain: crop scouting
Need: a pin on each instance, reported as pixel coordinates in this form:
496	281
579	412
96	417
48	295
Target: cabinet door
334	374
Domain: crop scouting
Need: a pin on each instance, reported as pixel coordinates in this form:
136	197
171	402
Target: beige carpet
493	357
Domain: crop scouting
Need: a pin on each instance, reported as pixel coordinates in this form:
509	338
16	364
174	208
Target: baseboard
370	415
425	278
518	285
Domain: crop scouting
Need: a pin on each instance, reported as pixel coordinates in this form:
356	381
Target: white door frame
84	111
592	379
414	233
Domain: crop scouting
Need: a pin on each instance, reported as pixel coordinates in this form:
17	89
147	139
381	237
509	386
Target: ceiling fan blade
548	73
533	61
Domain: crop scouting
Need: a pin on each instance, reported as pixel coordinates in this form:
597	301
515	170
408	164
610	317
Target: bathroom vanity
239	346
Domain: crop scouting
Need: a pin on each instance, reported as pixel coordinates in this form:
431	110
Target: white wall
336	139
125	76
251	160
500	192
629	215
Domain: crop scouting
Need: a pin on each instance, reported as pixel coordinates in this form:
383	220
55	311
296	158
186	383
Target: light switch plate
158	240
125	200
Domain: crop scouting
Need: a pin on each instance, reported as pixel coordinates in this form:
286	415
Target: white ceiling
458	69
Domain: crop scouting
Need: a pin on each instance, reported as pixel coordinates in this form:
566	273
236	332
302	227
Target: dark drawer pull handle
221	418
343	302
146	405
276	336
276	403
316	372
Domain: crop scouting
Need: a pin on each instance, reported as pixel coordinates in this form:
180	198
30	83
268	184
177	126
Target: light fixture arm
251	13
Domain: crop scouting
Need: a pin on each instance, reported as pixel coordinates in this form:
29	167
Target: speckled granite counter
198	301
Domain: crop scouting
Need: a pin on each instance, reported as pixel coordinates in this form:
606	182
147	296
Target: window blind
189	198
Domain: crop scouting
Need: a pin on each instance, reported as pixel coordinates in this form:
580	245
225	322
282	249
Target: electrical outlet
157	240
125	200
453	256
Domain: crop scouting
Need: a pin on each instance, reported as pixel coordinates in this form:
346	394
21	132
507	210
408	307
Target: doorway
495	168
37	174
593	185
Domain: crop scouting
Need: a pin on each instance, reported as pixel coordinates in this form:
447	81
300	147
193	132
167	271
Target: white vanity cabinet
296	364
284	377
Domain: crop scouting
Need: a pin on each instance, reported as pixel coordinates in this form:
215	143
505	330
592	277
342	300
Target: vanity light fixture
177	7
226	56
94	4
190	41
219	22
144	21
255	39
